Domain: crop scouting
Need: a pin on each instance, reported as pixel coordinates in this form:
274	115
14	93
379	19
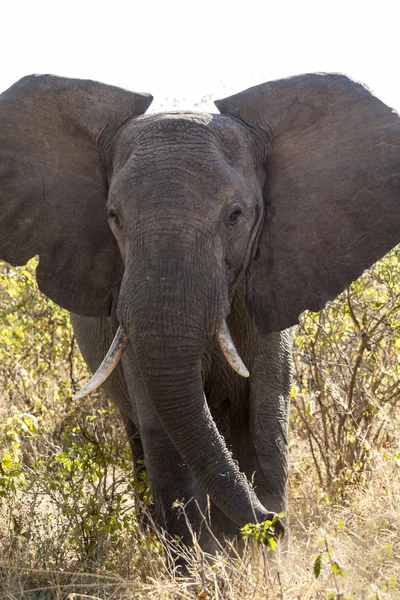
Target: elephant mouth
121	341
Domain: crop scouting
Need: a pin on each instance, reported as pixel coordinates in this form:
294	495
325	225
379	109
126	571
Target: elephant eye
114	218
234	215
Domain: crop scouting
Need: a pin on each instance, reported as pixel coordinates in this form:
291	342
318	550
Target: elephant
191	243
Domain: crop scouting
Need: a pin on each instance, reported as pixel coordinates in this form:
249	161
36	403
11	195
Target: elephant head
291	192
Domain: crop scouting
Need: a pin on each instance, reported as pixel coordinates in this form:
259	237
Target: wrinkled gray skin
253	215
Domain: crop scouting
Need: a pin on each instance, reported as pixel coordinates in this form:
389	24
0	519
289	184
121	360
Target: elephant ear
53	185
332	195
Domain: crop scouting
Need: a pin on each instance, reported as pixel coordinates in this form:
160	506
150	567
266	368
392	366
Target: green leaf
337	569
262	532
7	462
271	543
317	566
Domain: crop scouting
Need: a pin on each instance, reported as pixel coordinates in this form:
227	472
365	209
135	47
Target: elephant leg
264	445
224	395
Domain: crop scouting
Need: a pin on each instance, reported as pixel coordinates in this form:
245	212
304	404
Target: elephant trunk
168	312
171	368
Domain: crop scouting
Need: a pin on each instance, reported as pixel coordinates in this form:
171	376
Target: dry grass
360	536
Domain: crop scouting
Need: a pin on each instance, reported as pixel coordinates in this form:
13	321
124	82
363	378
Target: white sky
182	51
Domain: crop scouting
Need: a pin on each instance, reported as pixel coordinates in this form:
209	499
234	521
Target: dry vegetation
71	522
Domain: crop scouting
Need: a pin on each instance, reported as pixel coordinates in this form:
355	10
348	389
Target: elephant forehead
185	135
179	122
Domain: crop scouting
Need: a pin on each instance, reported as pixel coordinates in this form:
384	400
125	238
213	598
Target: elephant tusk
228	348
108	365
